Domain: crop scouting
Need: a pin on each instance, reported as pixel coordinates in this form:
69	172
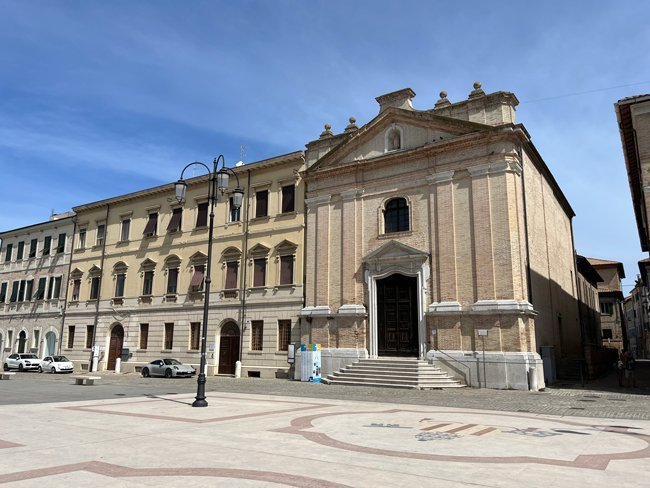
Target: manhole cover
576	408
120	394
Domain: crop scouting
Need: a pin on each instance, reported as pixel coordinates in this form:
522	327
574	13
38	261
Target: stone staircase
393	373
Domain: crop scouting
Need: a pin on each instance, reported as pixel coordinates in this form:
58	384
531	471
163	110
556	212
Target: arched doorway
22	341
228	348
397	316
50	344
115	346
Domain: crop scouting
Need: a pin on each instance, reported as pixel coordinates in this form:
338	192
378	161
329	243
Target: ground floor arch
115	345
22	341
397	316
229	340
49	345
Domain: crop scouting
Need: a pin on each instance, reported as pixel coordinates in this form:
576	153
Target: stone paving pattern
311	435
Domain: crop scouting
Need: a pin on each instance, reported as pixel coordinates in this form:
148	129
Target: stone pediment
396	130
395	254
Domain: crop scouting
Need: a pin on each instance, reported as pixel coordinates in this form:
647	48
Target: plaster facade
34	264
137	282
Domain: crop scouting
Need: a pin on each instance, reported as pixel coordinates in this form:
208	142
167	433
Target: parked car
22	362
56	364
169	368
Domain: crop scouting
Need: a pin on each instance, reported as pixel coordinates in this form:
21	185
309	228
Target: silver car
22	362
169	368
56	364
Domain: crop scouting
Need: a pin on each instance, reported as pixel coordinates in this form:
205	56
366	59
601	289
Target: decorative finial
477	85
352	126
477	92
443	102
327	132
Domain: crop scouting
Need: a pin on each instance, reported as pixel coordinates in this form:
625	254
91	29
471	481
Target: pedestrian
630	379
620	368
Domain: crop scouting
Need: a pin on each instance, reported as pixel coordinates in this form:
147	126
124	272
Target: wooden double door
397	316
115	346
228	348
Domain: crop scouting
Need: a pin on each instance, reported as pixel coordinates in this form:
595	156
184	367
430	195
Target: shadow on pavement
609	381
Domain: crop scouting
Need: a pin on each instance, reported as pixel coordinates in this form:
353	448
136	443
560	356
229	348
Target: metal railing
468	378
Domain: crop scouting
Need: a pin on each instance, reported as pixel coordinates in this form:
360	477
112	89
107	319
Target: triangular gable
94	269
259	250
198	256
425	128
394	250
286	247
148	264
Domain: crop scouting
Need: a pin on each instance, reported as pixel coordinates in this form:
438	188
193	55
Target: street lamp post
218	184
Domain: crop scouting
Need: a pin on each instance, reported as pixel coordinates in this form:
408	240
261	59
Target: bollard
118	364
238	369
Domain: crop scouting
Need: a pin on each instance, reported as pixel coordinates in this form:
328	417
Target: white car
56	364
22	362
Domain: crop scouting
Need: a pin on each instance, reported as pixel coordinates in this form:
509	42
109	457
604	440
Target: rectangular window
259	272
125	230
57	287
20	251
40	291
76	288
284	334
231	274
29	290
119	285
70	336
257	330
3	292
47	245
82	238
169	335
607	334
202	215
147	284
288	198
50	288
235	215
175	222
261	203
14	292
172	281
94	288
10	248
144	335
101	234
197	278
21	291
32	248
89	336
195	334
60	245
286	270
152	225
607	308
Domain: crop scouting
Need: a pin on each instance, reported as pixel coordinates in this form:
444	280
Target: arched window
396	216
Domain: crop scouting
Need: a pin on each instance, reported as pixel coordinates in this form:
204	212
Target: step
391	374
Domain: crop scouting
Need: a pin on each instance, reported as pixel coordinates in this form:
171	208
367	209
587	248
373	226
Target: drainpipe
242	320
57	347
93	364
304	254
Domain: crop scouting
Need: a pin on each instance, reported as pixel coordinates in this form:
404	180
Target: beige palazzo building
34	264
136	287
440	233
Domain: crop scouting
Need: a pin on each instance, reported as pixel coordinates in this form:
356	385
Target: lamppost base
200	403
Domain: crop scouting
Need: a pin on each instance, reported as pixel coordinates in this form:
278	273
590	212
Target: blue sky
101	98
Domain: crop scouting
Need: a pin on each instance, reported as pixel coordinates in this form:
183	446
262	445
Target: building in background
637	318
136	286
633	115
610	296
598	358
440	229
34	265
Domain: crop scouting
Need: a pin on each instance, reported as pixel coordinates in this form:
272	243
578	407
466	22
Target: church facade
440	234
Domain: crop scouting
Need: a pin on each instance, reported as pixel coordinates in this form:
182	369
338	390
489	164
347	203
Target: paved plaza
294	439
